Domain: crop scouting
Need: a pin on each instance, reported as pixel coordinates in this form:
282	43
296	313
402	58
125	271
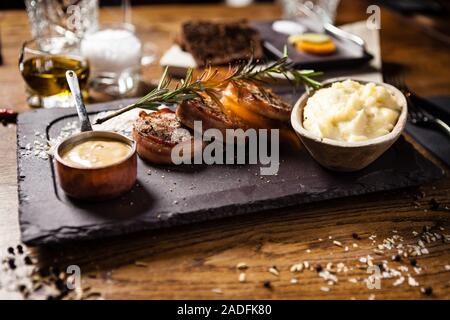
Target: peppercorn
355	236
435	205
8	115
428	291
397	257
267	284
55	271
413	262
44	272
319	268
59	283
11	263
28	260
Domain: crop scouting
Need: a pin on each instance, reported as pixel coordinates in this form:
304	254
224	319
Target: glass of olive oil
43	63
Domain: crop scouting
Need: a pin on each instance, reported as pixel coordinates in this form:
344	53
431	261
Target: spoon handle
74	86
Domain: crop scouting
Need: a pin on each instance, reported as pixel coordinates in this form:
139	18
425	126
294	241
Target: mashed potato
350	111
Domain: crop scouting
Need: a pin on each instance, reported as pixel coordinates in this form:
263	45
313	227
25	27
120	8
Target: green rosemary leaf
209	82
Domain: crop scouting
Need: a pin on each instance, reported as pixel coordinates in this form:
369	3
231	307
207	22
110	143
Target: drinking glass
75	17
43	63
114	53
326	9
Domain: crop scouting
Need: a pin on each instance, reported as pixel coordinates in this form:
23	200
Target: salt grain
399	281
298	267
412	282
326	275
337	243
274	271
241	266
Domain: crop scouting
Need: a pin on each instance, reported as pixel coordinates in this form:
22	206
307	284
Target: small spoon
74	86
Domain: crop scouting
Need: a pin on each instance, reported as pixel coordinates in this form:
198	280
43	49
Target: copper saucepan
97	183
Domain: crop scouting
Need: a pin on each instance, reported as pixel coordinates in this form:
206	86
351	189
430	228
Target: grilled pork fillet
209	113
243	109
258	100
157	133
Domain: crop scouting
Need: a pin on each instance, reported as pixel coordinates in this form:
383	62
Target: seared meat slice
210	113
157	133
258	100
243	109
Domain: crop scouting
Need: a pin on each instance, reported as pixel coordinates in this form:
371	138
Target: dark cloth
433	139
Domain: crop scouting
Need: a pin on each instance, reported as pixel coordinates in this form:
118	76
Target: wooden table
199	262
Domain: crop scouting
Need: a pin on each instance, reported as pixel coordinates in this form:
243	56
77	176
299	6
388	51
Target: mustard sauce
96	153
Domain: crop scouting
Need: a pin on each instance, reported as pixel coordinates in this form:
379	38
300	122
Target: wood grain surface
200	262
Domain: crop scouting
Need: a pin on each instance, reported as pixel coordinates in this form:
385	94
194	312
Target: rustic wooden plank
188	262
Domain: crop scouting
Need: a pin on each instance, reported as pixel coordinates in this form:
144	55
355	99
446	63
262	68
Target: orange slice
316	48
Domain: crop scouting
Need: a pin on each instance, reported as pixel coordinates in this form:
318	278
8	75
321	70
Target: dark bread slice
220	43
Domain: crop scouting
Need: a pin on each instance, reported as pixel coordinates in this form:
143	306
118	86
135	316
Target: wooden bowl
100	183
347	156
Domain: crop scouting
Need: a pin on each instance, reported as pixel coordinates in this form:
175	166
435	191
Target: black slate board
189	194
348	54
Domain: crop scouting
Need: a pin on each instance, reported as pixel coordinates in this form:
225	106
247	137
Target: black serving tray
187	194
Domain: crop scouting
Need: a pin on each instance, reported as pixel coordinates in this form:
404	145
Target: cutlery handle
330	28
275	51
74	86
338	32
430	107
443	126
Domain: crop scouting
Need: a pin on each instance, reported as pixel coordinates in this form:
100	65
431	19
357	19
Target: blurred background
437	7
432	14
15	4
408	27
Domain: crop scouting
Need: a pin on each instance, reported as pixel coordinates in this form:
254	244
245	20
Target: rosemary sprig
283	66
210	82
